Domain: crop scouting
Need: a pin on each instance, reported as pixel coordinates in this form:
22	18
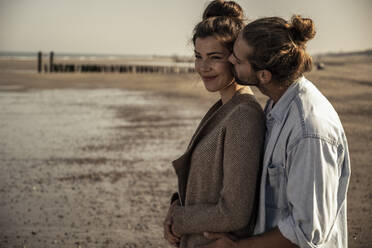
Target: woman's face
211	62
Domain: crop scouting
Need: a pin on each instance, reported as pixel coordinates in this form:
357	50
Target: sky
163	27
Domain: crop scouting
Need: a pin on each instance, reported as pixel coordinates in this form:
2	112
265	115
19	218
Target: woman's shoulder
246	103
246	113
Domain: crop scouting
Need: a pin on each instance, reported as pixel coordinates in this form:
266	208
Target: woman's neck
229	91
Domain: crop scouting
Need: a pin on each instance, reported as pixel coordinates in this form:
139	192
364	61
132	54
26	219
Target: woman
217	175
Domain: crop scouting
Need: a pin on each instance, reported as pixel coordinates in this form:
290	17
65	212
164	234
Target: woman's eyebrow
211	53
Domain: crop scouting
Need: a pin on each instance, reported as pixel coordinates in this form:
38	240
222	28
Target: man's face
244	73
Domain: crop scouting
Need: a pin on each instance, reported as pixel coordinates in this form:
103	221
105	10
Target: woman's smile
209	78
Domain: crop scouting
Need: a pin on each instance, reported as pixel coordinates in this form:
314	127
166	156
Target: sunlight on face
211	62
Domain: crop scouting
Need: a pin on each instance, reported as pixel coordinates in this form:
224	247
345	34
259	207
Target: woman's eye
197	56
216	57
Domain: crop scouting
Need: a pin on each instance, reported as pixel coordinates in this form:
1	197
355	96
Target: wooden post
51	62
39	61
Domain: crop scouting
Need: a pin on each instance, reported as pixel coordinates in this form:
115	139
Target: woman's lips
208	78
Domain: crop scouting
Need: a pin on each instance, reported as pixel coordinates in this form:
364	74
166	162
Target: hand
174	232
221	241
168	233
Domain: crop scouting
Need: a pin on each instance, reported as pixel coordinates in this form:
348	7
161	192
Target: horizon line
368	50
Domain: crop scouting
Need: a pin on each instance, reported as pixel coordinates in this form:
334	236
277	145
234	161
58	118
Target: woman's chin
210	86
210	89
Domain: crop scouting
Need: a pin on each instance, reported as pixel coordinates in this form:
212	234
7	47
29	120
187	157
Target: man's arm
270	239
315	193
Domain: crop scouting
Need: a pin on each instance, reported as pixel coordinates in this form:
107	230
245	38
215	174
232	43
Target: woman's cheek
226	70
197	66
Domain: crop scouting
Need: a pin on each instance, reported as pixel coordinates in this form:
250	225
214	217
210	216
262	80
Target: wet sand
85	158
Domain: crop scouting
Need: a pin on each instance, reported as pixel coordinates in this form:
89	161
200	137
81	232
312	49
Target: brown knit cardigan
218	174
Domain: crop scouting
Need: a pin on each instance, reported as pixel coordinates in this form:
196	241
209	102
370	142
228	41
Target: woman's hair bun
222	20
301	29
223	8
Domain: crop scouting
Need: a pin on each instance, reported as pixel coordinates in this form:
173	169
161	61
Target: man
306	168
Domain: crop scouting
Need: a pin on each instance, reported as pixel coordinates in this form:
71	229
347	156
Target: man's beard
252	82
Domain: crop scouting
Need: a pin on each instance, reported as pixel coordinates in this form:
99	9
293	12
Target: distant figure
219	172
320	66
306	167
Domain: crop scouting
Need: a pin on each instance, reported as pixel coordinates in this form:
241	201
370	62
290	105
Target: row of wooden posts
97	68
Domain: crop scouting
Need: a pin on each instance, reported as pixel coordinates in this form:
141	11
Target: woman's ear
264	76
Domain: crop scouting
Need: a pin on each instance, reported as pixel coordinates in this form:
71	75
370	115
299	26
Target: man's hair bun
301	29
222	8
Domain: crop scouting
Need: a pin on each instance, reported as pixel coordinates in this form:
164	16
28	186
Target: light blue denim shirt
306	170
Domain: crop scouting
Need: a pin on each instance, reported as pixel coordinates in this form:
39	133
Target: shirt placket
269	127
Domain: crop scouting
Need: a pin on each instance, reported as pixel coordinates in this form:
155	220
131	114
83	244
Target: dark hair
223	20
280	46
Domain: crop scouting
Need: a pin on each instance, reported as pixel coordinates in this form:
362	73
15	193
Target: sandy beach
85	159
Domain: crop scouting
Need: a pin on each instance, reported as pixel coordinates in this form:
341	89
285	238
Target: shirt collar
281	108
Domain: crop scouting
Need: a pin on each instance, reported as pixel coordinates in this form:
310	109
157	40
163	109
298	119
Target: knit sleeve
242	157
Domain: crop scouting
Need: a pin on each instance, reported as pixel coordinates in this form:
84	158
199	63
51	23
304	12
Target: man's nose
231	59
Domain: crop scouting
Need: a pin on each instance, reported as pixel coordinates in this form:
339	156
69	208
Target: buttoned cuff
287	229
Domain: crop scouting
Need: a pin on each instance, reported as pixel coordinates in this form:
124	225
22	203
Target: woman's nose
205	65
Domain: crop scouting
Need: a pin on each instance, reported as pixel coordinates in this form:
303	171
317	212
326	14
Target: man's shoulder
313	114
